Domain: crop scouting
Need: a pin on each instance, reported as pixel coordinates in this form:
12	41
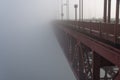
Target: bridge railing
107	31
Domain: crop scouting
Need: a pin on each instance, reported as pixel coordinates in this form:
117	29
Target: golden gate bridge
92	48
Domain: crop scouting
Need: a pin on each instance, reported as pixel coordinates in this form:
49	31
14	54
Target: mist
93	7
28	47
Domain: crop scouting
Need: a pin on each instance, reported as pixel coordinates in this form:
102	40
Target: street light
81	10
67	9
76	6
62	14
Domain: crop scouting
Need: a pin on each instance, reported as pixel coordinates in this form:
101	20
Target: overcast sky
92	8
26	11
42	9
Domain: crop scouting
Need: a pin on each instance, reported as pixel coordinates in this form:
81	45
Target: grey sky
27	10
92	8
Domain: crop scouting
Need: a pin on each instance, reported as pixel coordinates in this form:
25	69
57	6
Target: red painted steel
77	54
105	11
117	11
109	11
92	48
105	31
101	48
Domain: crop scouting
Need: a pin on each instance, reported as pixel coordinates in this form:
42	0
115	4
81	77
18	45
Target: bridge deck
108	52
108	33
100	39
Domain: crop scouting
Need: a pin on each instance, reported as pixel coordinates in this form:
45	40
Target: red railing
106	31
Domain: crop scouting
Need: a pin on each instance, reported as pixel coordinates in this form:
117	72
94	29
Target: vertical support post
105	11
75	6
83	76
67	2
76	14
62	14
96	67
117	11
109	11
82	10
117	19
79	10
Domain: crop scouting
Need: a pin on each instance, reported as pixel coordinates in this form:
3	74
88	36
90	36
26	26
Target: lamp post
82	9
79	10
67	9
76	6
62	14
117	11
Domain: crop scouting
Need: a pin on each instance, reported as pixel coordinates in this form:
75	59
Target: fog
28	47
93	7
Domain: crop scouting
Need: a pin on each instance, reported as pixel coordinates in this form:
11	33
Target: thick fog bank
32	53
28	47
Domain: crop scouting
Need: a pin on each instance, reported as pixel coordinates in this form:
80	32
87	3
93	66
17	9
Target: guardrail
104	31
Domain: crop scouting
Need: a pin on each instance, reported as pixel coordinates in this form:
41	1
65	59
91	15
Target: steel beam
86	60
109	11
105	11
96	67
102	49
117	11
117	20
